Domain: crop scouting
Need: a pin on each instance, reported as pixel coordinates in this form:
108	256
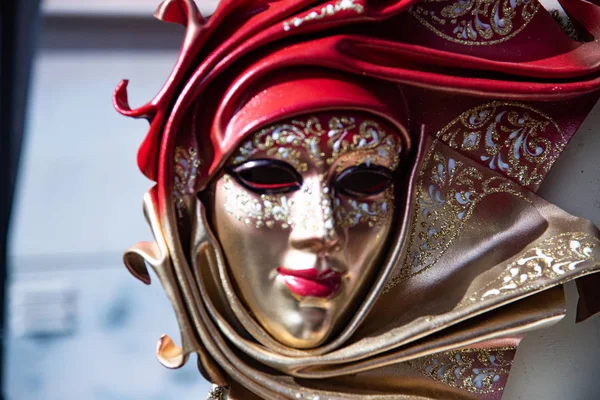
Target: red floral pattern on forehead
523	58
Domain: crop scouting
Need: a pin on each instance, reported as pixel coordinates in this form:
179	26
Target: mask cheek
260	211
254	237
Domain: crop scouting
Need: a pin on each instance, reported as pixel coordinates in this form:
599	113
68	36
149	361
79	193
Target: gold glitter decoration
326	11
480	371
283	141
370	137
517	139
218	393
301	141
186	172
550	260
351	212
475	22
279	142
445	197
326	207
265	211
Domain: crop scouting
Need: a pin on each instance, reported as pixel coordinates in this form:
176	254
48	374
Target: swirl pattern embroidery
475	22
553	260
445	197
283	140
474	370
514	139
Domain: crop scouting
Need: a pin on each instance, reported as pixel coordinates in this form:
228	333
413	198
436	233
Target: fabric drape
490	93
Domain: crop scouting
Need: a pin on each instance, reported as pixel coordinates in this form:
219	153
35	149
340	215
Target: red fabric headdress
446	60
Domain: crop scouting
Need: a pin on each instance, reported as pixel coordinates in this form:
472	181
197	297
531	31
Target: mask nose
315	227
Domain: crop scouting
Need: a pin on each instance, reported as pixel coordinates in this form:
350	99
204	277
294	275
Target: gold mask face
303	212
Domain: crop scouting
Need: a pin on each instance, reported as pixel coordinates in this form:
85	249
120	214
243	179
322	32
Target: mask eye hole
363	181
267	176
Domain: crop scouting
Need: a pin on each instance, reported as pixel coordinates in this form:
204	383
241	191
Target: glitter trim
446	195
514	139
478	370
186	172
326	11
475	22
550	260
283	141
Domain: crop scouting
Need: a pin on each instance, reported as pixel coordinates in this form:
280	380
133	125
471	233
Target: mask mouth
312	282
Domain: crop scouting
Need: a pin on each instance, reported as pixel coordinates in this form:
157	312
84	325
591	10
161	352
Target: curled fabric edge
156	255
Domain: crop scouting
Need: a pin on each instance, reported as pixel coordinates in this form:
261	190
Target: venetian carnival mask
304	213
345	195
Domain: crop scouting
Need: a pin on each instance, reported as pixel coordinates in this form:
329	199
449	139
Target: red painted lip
311	282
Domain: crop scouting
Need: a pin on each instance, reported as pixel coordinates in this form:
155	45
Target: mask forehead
335	139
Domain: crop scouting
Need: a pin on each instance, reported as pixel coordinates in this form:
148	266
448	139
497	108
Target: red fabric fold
388	41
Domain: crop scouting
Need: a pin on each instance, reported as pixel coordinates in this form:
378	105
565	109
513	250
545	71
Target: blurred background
77	325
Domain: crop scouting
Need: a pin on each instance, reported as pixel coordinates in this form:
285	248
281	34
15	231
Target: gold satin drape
476	262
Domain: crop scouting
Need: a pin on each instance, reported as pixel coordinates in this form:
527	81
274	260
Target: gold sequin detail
266	211
551	260
218	393
478	371
371	138
283	141
475	22
326	11
351	212
512	138
186	172
446	195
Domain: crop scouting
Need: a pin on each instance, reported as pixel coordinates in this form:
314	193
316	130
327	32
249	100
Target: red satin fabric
383	42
